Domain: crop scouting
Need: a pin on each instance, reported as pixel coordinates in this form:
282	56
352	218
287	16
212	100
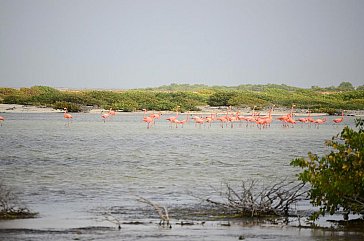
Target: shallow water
69	174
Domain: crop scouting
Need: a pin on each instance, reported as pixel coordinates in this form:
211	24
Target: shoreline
15	108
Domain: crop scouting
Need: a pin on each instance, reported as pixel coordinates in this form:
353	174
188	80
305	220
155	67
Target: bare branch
258	200
161	211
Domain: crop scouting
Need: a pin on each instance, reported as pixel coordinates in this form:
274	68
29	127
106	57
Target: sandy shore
14	108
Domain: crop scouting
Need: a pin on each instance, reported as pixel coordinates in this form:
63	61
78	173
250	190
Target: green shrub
337	179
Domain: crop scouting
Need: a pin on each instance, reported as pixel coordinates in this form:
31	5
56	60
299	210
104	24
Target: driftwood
254	200
112	219
161	211
10	206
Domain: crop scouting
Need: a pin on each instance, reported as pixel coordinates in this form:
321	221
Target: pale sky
145	43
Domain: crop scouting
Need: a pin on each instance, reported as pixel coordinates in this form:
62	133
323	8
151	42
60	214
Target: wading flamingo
339	120
173	118
155	116
147	119
209	119
198	120
67	116
265	121
225	118
302	120
1	120
233	118
112	112
252	118
182	122
318	122
287	118
105	116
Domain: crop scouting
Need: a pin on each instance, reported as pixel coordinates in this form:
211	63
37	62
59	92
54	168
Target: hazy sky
145	43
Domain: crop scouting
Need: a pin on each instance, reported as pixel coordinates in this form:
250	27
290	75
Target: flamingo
67	116
265	121
182	122
209	119
1	120
173	118
302	119
155	116
224	119
112	112
339	120
261	122
318	122
198	120
291	121
233	118
252	118
287	118
147	119
105	116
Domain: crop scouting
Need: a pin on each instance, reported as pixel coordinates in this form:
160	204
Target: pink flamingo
318	122
252	118
287	118
225	118
67	116
339	120
233	118
198	120
261	122
265	121
182	122
302	120
209	119
112	112
172	119
242	118
222	119
105	116
1	120
155	116
291	121
147	119
307	119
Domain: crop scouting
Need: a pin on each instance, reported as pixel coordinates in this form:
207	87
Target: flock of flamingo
227	119
230	118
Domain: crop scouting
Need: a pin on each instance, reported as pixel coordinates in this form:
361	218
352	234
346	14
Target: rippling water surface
68	173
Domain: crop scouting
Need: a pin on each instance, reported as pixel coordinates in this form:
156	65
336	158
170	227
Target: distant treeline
190	97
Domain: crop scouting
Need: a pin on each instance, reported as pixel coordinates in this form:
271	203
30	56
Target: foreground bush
337	179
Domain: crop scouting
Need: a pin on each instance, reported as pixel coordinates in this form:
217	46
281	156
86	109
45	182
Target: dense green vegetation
190	97
337	179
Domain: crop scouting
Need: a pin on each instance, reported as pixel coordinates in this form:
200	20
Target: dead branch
254	200
161	211
112	219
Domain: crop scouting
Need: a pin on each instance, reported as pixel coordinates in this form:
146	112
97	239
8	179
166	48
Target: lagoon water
71	174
